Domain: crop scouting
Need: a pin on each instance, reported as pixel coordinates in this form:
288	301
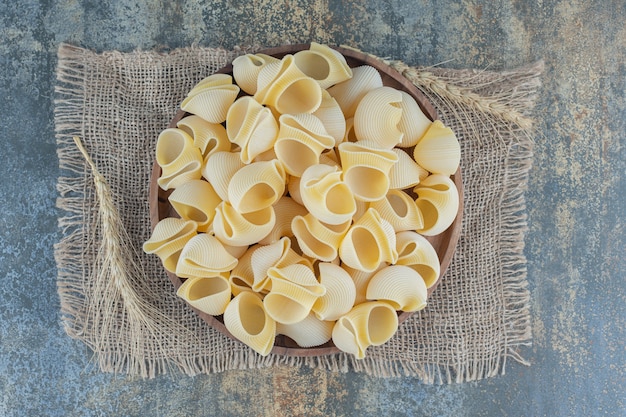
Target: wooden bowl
444	243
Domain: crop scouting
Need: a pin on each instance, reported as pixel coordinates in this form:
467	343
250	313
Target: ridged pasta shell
294	291
246	69
438	201
377	116
438	151
179	160
348	93
246	319
318	240
325	195
415	251
242	276
284	87
278	255
369	241
406	172
413	122
220	168
301	140
286	209
195	200
367	324
239	229
323	64
251	126
208	137
331	116
361	279
257	186
211	98
366	170
309	332
350	135
168	240
400	210
293	188
204	256
340	292
400	286
210	295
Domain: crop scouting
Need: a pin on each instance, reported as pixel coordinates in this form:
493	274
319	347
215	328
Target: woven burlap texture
117	103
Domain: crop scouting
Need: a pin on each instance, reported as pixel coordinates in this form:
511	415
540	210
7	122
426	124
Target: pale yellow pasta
211	98
361	208
361	279
318	240
406	172
246	319
413	122
350	92
210	295
219	169
366	169
235	251
265	156
286	209
331	116
195	200
278	254
400	286
246	69
257	186
238	229
208	137
415	251
400	210
204	256
242	276
168	240
294	291
301	140
179	159
367	324
377	116
340	292
251	126
438	201
323	64
325	195
309	332
293	187
438	151
369	241
350	135
284	87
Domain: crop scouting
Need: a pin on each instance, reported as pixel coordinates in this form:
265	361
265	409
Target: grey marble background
576	203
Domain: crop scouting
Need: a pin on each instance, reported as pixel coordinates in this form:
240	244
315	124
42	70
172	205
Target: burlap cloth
119	102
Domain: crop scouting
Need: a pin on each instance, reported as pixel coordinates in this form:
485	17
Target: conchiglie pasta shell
400	210
318	240
284	87
219	169
246	69
210	295
348	93
257	186
438	201
332	118
415	251
252	127
293	188
204	256
168	240
350	135
307	333
323	64
340	292
400	286
361	279
208	137
179	160
242	276
239	229
246	319
438	151
278	255
367	324
370	241
377	116
366	170
211	99
213	80
301	140
195	200
406	172
325	195
413	122
286	209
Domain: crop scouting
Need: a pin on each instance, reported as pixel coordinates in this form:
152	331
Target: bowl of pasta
306	200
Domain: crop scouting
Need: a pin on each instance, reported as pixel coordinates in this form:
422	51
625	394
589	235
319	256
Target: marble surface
576	203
